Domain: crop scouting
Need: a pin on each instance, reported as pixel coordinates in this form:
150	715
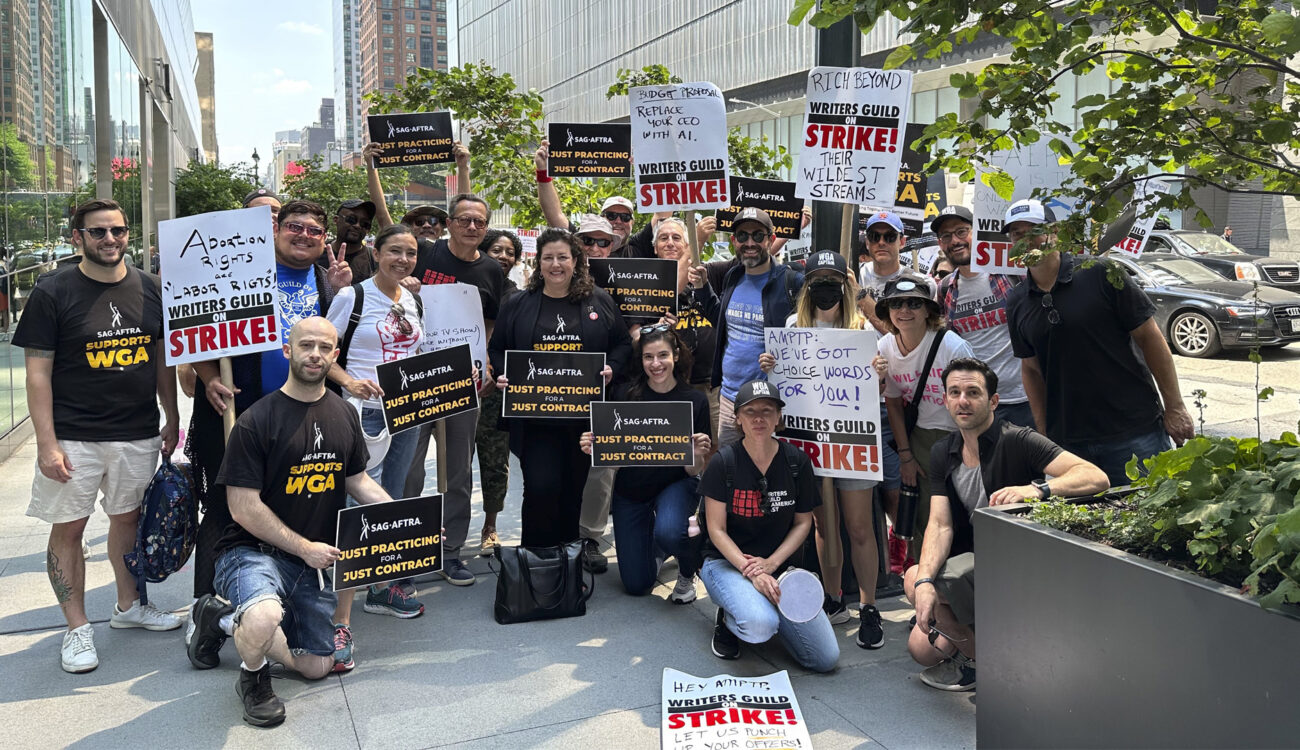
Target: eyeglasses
99	232
891	237
1053	315
618	216
354	221
1015	235
962	233
398	313
465	222
758	235
589	241
911	303
656	328
293	227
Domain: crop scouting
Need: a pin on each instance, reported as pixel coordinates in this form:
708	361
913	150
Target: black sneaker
205	645
592	558
835	610
871	633
955	675
261	707
725	643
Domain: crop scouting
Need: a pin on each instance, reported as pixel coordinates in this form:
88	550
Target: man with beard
292	459
351	223
755	294
975	306
95	374
618	211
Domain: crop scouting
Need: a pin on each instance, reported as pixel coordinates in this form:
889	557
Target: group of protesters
980	381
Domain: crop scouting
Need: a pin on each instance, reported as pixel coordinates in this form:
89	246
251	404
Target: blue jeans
892	469
1111	455
1019	414
754	619
248	575
391	473
650	531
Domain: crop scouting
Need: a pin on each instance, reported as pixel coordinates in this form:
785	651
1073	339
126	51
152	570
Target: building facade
347	74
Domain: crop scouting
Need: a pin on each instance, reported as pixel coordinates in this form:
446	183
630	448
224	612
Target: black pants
206	448
555	471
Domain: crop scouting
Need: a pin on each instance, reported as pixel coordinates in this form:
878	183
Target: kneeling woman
759	495
651	505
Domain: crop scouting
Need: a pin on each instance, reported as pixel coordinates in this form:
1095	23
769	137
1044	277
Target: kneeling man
986	462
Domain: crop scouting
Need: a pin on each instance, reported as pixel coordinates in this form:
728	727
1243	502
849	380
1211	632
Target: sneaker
871	633
144	616
342	648
205	645
950	675
489	543
592	558
684	591
835	610
261	707
391	600
407	585
456	573
78	654
725	643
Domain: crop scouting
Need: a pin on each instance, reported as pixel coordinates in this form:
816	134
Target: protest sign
453	314
552	384
1032	167
727	711
853	134
218	285
643	288
386	541
597	150
926	246
527	238
825	377
412	139
776	197
679	144
1145	194
427	387
642	433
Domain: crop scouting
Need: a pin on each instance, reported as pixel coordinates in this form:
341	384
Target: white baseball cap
1028	210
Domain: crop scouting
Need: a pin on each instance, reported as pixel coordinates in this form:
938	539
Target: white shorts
121	470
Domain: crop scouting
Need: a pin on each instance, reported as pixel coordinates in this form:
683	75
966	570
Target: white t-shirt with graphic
905	371
378	337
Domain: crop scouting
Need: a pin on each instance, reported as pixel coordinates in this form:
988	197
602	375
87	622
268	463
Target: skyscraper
347	74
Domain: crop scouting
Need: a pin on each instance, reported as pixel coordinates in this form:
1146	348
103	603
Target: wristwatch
1044	489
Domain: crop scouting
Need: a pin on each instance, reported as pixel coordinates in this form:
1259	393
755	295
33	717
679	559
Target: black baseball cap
755	390
359	205
950	212
260	193
827	260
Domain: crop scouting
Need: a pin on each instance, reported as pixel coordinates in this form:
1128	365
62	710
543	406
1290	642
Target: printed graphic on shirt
906	382
972	315
394	344
297	301
558	328
745	322
317	471
117	347
436	277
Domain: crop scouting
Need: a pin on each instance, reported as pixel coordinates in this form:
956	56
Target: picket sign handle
440	430
846	237
228	415
689	217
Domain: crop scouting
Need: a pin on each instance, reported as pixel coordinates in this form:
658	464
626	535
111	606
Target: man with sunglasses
352	222
884	241
95	375
1072	328
598	238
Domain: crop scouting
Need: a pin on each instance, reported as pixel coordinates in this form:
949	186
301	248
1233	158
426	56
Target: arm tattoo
62	589
39	353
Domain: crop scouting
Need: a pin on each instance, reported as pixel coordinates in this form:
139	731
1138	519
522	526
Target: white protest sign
218	285
1032	167
832	403
727	711
679	147
1145	194
853	134
453	315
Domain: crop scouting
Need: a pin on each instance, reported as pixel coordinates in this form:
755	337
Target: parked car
1225	258
1202	313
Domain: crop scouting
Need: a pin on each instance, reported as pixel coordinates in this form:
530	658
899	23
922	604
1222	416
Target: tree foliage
330	187
19	172
201	188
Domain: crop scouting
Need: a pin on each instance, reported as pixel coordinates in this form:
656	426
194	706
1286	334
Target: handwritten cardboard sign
552	384
218	285
387	541
412	139
729	711
831	398
453	314
776	197
679	145
590	150
642	433
643	288
1032	167
427	387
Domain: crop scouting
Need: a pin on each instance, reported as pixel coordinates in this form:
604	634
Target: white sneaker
189	624
78	654
684	591
144	616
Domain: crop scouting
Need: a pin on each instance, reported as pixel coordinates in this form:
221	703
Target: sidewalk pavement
451	678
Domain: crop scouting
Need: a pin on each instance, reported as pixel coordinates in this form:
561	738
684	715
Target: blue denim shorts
248	575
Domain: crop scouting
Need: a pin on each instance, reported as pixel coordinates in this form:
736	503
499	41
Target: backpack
728	455
168	527
354	319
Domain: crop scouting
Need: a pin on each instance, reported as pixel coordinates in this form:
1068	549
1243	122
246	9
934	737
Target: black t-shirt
105	343
435	264
645	483
1091	347
639	245
297	455
558	327
699	334
758	526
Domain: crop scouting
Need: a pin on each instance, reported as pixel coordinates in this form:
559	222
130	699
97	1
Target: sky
270	75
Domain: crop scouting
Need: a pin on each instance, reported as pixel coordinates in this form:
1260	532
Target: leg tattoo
62	589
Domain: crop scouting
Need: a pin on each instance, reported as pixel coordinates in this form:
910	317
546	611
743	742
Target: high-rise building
347	74
17	89
206	85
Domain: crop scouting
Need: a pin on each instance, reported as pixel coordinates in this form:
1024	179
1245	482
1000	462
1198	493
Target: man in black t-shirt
293	458
95	374
988	461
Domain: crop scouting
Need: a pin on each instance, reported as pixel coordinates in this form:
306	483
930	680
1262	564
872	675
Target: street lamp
257	176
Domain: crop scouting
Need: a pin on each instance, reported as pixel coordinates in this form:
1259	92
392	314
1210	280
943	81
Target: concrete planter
1081	645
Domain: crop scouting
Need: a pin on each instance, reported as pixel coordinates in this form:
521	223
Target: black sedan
1225	258
1202	313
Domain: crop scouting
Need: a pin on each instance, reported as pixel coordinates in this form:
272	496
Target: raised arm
383	219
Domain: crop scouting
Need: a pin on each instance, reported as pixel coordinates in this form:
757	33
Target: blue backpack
168	528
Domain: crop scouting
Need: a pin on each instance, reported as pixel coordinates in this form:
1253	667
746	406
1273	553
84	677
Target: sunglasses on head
589	241
293	227
398	313
656	328
356	221
624	216
758	235
911	303
99	232
878	237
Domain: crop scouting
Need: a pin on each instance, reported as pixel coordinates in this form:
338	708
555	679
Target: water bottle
909	496
692	527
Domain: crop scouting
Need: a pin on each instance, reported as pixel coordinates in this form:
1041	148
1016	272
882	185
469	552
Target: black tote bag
541	583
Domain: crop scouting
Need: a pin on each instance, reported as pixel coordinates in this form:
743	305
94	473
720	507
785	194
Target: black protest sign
552	384
427	387
412	139
642	433
776	197
386	541
643	288
596	150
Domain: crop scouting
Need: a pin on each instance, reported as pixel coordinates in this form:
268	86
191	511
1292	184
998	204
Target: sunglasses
618	216
398	313
354	221
911	303
1015	235
424	221
294	227
758	235
465	222
891	237
99	232
589	241
765	505
1053	315
656	328
962	234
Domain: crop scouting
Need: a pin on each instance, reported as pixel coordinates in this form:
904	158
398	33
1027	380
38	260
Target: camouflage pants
493	454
